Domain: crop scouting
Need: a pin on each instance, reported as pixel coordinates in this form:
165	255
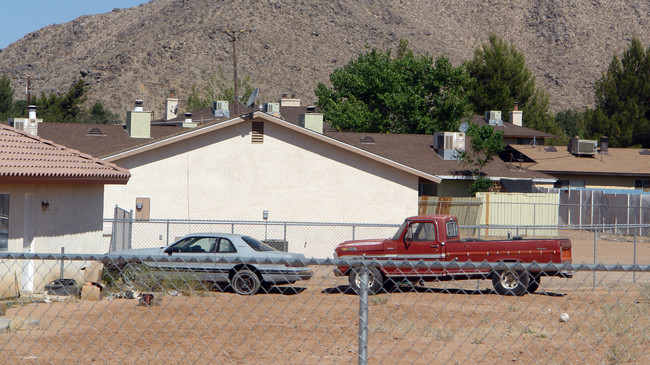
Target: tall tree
486	143
6	96
622	99
62	108
402	94
501	78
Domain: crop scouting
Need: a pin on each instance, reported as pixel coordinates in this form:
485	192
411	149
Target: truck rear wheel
511	282
375	280
533	284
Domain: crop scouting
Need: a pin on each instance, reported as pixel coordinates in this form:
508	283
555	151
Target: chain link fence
112	313
593	244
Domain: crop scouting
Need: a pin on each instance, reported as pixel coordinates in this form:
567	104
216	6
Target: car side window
195	245
422	231
225	246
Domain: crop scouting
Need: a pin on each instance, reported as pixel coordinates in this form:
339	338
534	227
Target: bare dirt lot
317	322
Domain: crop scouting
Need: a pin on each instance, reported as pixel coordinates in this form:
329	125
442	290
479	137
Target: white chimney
32	111
29	125
516	115
311	120
138	121
171	106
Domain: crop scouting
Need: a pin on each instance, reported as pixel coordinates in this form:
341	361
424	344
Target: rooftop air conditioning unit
493	117
272	108
220	108
448	144
584	147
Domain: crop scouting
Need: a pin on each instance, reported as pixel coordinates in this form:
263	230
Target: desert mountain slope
142	52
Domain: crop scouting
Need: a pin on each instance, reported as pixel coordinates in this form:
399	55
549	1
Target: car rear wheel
375	280
245	282
510	281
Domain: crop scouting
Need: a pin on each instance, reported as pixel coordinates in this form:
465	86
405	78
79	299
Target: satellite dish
253	97
463	127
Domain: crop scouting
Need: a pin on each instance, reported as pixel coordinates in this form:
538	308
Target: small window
4	222
225	246
642	185
452	229
257	245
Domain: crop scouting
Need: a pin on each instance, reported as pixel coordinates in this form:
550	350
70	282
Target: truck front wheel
375	280
510	282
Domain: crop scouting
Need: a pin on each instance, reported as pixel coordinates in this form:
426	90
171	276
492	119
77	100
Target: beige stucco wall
74	221
222	175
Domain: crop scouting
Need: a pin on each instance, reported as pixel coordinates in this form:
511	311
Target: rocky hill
142	52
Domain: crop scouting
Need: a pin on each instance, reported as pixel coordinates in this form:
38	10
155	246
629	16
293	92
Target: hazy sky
20	17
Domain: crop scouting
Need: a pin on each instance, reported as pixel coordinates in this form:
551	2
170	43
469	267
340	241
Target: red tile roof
29	158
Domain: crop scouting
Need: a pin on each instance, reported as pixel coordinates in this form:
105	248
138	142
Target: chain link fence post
363	317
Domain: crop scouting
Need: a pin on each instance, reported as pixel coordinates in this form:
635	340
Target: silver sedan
246	278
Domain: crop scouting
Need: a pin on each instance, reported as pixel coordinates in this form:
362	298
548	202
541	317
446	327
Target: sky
20	17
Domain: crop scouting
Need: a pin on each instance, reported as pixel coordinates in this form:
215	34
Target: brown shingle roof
512	131
618	161
416	151
28	158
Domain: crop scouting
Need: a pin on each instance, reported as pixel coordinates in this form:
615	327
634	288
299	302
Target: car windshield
257	245
399	231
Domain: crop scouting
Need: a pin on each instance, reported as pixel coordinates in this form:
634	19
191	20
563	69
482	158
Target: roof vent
550	149
95	132
644	152
367	140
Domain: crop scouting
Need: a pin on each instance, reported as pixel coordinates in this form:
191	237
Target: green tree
404	94
62	108
572	122
99	115
622	99
501	78
486	143
6	97
218	87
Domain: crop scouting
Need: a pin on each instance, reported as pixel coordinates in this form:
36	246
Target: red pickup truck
435	237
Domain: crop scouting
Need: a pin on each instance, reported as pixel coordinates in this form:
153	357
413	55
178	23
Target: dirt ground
316	322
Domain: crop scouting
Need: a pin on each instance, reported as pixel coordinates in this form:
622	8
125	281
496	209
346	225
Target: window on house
4	222
568	184
257	132
642	185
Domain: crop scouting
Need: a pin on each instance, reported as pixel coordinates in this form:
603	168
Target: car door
191	250
420	242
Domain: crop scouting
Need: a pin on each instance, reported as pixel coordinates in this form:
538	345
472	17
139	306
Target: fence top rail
434	264
240	222
617	226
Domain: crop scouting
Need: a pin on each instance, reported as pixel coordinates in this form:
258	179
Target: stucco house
285	161
51	197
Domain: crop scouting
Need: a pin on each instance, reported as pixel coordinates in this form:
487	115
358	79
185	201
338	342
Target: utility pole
234	35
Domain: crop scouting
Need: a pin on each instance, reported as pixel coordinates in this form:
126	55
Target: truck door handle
434	246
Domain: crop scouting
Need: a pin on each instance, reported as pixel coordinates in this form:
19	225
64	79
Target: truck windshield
399	231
